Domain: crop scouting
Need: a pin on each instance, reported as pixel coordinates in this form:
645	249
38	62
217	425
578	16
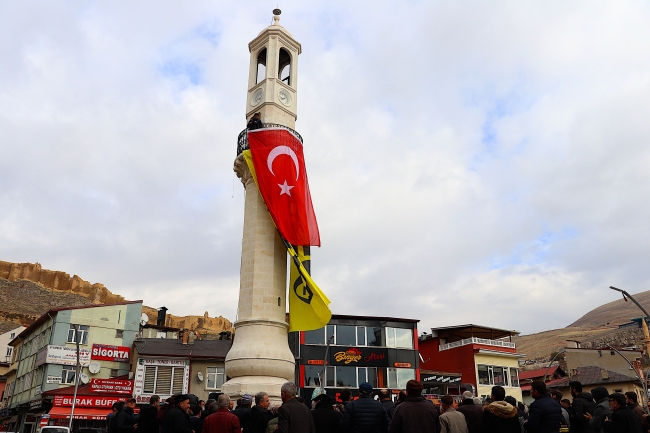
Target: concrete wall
197	387
606	359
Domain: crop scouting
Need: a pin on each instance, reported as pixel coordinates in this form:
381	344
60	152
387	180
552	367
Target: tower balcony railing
242	139
474	340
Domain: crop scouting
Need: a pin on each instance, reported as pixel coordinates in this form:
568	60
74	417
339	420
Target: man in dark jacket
386	401
147	423
473	413
545	414
244	407
293	416
415	414
326	419
177	420
583	403
126	418
365	415
112	422
500	416
623	419
601	411
256	420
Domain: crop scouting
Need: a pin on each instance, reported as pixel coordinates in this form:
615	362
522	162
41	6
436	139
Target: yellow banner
308	305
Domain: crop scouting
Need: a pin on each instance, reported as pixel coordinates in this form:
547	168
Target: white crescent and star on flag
274	153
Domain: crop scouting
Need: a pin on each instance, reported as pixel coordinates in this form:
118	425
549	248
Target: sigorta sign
110	353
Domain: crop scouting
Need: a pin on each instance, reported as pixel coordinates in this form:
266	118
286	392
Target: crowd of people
595	412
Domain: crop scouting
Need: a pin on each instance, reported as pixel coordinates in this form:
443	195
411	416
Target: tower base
239	386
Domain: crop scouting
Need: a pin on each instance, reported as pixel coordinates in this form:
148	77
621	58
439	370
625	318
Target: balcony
474	340
242	139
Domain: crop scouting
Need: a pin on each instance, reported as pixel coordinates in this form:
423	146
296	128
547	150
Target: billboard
105	352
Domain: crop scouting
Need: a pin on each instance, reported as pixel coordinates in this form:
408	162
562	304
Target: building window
261	66
284	66
499	376
9	351
397	377
119	333
348	377
399	337
68	374
346	335
312	375
215	377
367	374
514	377
13	335
484	375
163	380
83	334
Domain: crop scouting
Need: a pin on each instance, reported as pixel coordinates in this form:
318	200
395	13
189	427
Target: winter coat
240	412
473	415
222	421
125	420
389	406
582	403
601	411
176	421
544	416
364	415
500	417
196	424
326	419
452	421
415	415
256	420
148	422
295	417
623	421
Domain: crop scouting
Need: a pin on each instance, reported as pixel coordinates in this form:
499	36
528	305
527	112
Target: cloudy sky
481	162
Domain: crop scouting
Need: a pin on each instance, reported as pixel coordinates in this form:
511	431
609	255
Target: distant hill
27	291
596	328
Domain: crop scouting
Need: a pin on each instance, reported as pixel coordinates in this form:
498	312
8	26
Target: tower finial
276	16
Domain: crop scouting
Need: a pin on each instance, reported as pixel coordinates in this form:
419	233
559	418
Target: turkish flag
282	180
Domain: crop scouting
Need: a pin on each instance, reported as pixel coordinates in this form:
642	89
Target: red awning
80	413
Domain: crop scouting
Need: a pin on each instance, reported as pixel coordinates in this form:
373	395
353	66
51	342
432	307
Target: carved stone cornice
242	170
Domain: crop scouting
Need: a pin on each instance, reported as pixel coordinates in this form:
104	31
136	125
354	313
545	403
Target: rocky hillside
28	291
595	329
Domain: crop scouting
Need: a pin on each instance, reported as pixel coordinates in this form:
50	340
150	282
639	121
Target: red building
483	356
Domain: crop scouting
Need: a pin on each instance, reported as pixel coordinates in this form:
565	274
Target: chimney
185	336
225	335
162	315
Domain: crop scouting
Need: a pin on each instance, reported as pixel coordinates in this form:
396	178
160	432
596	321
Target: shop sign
53	379
62	355
402	365
361	356
439	378
35	404
105	352
138	384
315	362
87	401
112	386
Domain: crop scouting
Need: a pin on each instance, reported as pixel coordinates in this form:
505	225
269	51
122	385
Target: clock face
257	97
284	97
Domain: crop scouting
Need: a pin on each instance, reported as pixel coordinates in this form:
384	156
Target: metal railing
474	340
242	139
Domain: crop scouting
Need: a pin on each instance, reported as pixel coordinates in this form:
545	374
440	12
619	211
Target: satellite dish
144	319
84	378
200	376
94	367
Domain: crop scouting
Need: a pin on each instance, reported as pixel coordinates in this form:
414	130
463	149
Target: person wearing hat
244	407
623	419
365	415
326	419
415	414
255	122
177	420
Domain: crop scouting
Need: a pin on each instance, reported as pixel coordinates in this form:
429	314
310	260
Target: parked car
54	429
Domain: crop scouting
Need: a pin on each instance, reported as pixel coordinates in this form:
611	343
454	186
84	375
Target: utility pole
76	376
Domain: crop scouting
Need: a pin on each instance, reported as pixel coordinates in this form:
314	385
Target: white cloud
468	162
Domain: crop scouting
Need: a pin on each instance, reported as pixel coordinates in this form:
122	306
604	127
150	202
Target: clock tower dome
273	75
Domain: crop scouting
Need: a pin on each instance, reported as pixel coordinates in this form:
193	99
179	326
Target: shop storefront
94	402
440	383
380	351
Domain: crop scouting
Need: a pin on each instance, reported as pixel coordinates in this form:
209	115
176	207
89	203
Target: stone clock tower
260	359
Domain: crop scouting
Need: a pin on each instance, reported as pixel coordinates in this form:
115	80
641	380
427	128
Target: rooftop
460	332
176	349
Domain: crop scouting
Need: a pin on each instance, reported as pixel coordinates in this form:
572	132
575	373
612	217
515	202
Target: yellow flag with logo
308	305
